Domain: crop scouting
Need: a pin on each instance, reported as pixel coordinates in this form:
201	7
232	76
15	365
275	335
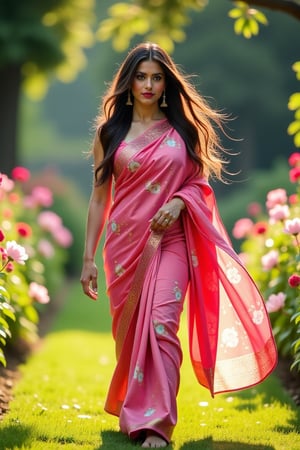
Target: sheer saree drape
231	342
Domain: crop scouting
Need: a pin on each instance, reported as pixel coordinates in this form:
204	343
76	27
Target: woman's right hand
88	279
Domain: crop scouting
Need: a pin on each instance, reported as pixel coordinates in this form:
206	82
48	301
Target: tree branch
288	6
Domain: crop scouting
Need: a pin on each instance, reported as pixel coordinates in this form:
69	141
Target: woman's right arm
97	213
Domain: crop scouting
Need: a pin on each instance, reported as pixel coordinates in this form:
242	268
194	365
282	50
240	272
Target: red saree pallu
230	337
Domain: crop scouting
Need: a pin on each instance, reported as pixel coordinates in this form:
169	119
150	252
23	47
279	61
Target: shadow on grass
210	444
14	436
112	440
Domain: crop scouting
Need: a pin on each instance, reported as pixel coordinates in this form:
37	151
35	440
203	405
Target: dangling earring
129	102
164	103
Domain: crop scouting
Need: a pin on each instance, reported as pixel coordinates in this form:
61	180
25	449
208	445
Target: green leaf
2	358
3	293
253	26
260	17
294	101
297	140
9	313
296	317
295	364
3	333
296	345
235	13
239	25
294	127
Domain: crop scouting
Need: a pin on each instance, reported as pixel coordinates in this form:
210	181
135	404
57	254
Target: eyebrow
144	73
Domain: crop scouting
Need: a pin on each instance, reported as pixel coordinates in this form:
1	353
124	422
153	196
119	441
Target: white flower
233	275
257	316
16	252
230	337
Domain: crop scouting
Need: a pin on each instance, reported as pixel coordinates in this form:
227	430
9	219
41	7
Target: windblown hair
188	112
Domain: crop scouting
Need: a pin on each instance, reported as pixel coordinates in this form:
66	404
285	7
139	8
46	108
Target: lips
147	95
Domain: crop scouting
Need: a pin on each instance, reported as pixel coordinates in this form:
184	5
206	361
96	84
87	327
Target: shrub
32	255
271	252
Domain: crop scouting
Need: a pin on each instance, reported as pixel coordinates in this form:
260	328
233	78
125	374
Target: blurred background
251	79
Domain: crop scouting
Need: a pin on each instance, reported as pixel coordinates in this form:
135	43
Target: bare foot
154	441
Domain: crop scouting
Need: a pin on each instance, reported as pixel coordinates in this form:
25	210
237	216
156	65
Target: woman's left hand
167	214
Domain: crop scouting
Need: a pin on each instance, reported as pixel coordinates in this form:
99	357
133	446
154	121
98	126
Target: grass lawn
59	399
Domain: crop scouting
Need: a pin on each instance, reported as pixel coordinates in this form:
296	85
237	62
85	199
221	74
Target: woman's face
148	83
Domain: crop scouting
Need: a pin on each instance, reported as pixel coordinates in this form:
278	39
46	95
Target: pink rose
49	221
294	159
275	197
293	199
16	252
269	260
279	212
7	184
254	209
63	237
46	249
294	174
275	302
39	293
242	228
20	173
292	226
42	196
2	236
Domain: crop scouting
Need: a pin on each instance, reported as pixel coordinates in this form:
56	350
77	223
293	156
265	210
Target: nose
148	83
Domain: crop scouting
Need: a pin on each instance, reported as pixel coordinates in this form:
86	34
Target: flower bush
33	243
271	252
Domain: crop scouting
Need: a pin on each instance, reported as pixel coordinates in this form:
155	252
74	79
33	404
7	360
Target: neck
146	115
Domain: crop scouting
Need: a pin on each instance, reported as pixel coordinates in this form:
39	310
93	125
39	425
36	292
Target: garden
72	341
56	350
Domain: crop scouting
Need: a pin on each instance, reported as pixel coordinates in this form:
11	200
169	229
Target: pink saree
230	338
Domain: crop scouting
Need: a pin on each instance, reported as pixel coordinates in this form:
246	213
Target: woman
156	145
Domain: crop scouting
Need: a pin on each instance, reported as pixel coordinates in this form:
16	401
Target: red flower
13	197
294	280
293	199
3	254
260	228
9	267
2	236
294	174
20	173
294	159
24	229
254	209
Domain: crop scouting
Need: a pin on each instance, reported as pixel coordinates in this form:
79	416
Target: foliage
271	252
160	22
247	19
294	105
48	413
33	253
163	21
47	36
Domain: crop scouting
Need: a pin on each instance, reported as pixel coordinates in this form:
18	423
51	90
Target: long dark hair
187	111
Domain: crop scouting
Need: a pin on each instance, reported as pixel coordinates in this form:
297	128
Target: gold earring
129	102
164	103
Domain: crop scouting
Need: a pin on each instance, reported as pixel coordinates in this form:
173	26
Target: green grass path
58	402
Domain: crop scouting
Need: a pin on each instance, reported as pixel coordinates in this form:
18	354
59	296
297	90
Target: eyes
140	76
